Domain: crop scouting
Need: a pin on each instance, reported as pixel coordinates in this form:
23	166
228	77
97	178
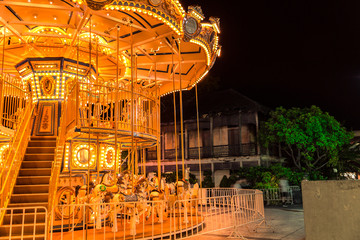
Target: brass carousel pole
3	55
89	126
136	161
89	106
2	82
144	163
116	99
132	106
98	114
181	117
175	123
158	153
198	131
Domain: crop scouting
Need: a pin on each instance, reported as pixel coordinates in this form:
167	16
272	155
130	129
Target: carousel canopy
158	38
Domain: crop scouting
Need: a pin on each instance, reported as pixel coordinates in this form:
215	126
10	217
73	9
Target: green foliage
208	182
192	178
170	177
311	138
349	156
225	182
267	177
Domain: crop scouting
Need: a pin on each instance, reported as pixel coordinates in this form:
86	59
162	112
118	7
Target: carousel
81	82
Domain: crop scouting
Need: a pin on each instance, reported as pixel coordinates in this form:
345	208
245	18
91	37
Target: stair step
34	188
35	172
43	138
28	180
26	229
37	143
17	218
39	157
36	164
29	197
38	150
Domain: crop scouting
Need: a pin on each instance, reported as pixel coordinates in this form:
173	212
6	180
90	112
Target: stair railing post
77	105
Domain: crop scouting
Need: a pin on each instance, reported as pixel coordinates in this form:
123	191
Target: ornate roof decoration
157	28
196	12
98	4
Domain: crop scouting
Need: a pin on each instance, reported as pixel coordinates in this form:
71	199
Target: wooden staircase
31	190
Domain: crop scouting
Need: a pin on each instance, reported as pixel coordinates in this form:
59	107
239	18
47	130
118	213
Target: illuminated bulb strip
66	158
42	29
105	163
75	69
200	78
205	46
177	90
196	15
92	156
45	65
193	85
179	7
2	149
23	70
216	44
148	10
78	1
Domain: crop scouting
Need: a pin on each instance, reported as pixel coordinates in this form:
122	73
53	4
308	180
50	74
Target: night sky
291	52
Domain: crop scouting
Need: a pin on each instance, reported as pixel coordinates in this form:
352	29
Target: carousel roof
167	43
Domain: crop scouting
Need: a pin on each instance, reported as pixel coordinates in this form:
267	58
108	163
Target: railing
216	192
170	154
12	102
108	107
276	196
18	145
149	220
205	152
59	154
24	223
247	149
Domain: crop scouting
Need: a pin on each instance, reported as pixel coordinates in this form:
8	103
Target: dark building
228	127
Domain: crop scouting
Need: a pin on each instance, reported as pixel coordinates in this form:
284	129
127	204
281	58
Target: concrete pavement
281	224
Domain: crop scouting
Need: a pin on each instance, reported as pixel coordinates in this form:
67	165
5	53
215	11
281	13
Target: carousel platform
148	229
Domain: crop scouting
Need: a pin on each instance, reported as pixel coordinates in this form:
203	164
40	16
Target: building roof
211	103
227	101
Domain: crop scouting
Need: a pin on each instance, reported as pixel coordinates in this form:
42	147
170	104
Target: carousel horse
182	190
131	201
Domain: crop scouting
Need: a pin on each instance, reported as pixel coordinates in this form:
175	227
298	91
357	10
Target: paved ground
282	224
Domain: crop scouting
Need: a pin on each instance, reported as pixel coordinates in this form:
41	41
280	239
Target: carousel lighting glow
92	155
205	46
89	76
3	149
153	13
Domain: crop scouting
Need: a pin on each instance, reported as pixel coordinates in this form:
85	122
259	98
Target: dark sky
291	52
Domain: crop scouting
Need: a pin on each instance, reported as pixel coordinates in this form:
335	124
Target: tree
208	183
225	182
311	138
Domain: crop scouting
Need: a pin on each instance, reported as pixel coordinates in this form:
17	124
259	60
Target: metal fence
275	196
171	218
24	223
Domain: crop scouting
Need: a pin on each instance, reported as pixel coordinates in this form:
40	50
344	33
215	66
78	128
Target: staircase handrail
56	165
12	164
